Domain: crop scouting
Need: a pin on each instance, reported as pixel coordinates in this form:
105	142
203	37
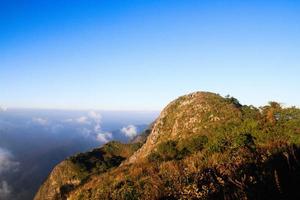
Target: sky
141	54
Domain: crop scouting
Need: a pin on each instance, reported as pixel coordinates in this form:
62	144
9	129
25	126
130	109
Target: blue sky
141	54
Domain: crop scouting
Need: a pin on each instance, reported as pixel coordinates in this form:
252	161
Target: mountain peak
190	114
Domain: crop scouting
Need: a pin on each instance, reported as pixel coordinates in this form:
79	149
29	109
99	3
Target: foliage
233	100
193	143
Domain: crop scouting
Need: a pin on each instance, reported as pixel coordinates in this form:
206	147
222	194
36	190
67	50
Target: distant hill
202	146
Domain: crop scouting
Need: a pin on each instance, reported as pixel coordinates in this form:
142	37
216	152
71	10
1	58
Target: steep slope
204	146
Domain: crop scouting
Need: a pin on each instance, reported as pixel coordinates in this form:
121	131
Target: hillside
202	146
77	169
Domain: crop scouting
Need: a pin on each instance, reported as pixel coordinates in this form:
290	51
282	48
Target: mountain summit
187	116
202	146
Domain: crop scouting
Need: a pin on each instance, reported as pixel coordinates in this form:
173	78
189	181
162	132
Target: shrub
154	157
167	150
125	190
170	150
218	145
193	143
233	100
245	140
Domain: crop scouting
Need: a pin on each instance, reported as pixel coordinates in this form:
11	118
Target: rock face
190	114
202	146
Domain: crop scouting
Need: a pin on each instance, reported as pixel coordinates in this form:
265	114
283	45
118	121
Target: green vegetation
193	143
171	150
100	160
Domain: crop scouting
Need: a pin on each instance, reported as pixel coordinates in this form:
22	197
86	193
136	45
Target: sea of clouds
32	142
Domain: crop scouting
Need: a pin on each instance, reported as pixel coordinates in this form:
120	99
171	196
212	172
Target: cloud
40	121
7	164
4	190
97	127
3	109
82	120
95	116
104	137
93	119
57	128
68	120
129	131
6	161
101	136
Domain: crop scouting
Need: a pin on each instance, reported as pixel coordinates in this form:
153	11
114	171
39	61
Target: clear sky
141	54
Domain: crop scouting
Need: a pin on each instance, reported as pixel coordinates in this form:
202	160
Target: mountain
202	146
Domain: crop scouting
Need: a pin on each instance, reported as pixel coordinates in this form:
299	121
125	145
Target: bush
170	150
219	144
125	190
167	150
233	100
193	143
245	140
154	157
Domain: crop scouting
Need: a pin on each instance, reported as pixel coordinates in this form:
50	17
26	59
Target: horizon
4	109
140	55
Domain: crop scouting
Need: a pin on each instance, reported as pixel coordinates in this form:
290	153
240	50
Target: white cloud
3	109
129	131
6	161
85	132
97	127
93	121
104	137
4	190
68	120
40	121
7	164
82	120
95	116
90	118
